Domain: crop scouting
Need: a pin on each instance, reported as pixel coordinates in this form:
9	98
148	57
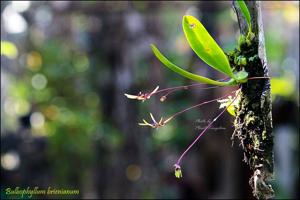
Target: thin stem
200	104
173	90
181	87
258	77
201	133
187	86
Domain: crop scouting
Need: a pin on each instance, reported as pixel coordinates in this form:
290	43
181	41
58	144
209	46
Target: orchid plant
211	53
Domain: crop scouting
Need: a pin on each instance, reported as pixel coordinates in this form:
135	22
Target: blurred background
65	122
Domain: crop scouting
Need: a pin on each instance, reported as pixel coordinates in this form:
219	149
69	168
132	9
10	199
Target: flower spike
154	123
178	173
142	96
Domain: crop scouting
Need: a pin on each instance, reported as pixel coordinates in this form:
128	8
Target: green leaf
205	46
245	12
185	73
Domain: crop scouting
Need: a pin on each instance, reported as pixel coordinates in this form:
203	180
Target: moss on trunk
253	122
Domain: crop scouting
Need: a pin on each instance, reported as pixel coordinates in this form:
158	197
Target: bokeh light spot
39	81
133	172
20	6
34	61
16	107
21	107
282	86
37	120
9	107
13	22
37	36
51	112
9	49
81	63
43	16
10	160
291	14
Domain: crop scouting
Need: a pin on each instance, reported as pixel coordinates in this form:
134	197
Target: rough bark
253	123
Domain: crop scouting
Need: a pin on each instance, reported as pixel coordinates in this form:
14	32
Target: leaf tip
189	20
152	46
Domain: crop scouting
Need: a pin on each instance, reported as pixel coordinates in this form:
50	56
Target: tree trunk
253	123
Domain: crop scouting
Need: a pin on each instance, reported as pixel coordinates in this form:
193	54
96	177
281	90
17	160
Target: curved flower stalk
178	172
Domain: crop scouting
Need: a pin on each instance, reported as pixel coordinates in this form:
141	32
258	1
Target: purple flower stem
201	133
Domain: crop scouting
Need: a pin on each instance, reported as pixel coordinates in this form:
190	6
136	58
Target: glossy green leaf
185	73
245	12
205	46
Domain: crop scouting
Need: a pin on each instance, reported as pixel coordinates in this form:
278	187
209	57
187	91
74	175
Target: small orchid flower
155	124
178	172
142	96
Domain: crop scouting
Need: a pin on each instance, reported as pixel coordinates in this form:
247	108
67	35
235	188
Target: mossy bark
253	122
